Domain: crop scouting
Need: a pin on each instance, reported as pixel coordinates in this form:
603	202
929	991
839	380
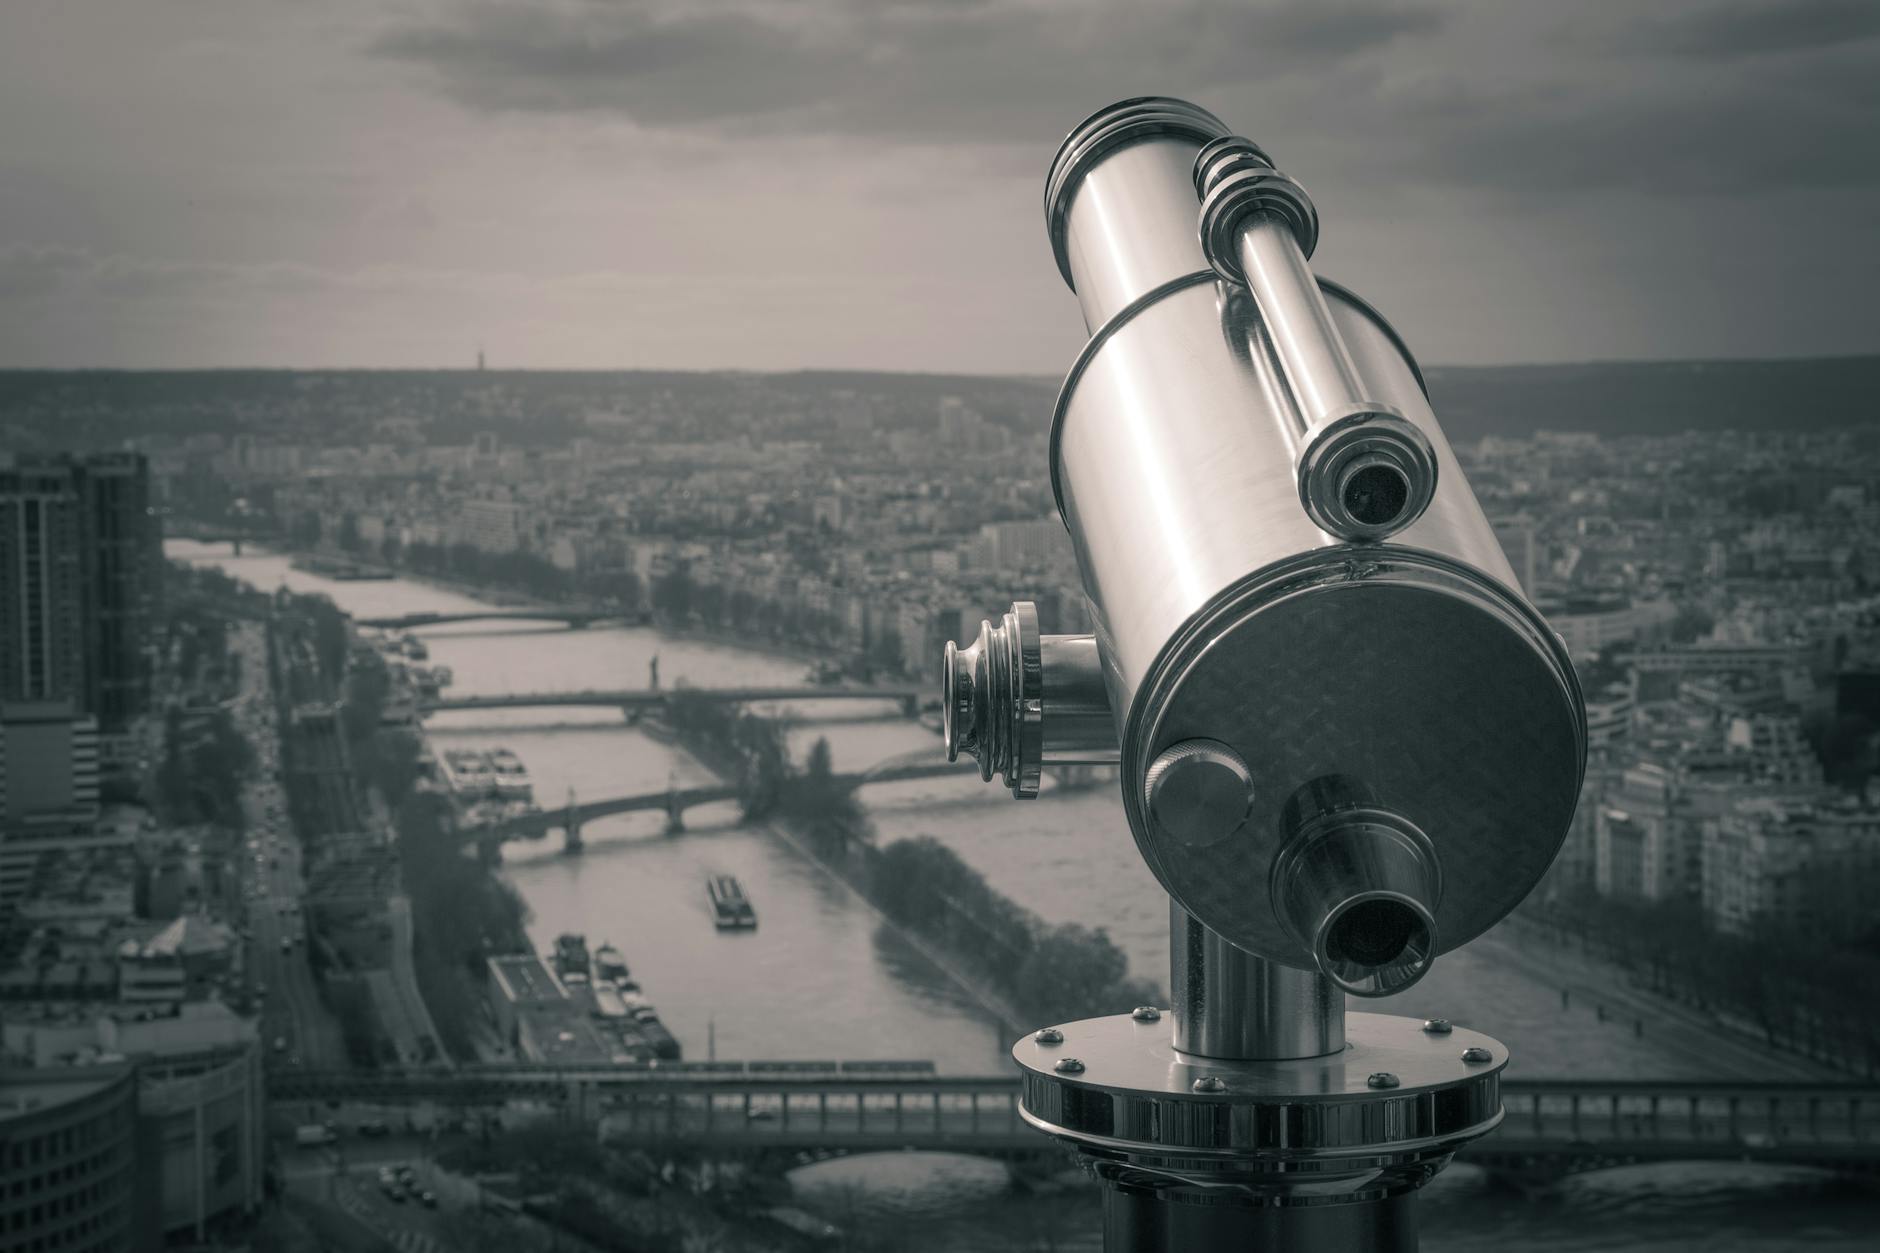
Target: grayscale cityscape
507	806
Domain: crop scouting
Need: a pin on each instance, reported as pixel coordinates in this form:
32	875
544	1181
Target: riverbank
1006	1014
1713	1046
723	763
504	596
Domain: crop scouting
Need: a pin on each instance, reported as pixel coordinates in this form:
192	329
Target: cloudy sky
787	183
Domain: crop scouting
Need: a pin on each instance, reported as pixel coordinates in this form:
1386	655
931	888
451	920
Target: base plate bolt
1209	1083
1069	1066
1050	1035
1437	1026
1477	1055
1147	1013
1382	1079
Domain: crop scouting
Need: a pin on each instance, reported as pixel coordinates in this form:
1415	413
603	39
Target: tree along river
822	977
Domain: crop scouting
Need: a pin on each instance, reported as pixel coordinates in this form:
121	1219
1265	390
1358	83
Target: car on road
287	944
428	1198
374	1128
280	1044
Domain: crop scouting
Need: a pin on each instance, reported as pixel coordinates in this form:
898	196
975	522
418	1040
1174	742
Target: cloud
1535	103
972	71
1769	27
1749	131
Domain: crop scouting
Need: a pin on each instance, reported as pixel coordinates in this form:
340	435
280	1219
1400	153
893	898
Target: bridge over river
574	618
570	818
1551	1126
639	699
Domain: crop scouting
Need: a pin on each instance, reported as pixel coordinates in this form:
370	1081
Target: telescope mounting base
1203	1154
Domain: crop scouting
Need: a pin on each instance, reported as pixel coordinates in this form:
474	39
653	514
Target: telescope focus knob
1199	791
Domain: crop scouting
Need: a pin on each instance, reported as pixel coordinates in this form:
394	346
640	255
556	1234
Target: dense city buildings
81	546
42	605
131	1094
1713	588
68	1165
121	549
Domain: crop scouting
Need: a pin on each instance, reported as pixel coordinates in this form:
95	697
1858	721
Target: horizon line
704	371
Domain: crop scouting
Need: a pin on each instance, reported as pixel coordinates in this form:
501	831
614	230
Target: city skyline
773	186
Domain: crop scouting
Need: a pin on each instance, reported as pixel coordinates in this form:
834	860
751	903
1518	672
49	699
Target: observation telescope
1346	741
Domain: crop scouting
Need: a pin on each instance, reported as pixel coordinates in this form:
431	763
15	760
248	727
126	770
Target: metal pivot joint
1016	700
1365	470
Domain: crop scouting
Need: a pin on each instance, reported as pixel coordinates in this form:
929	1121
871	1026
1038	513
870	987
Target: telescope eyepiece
1358	885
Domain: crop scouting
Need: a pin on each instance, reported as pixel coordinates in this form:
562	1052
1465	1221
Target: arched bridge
1551	1126
642	698
675	801
576	618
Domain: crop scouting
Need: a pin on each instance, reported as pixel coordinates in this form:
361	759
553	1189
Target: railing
1550	1124
1634	1121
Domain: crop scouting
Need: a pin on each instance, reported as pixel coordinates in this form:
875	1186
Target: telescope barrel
1291	579
1345	740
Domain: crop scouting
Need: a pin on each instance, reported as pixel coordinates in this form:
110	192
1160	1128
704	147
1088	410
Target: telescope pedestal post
1144	1222
1298	1128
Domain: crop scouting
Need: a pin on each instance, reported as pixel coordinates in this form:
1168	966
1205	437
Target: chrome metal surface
1015	700
1120	203
1225	613
1192	429
1079	728
1136	1089
1193	1219
1358	886
1346	741
1365	471
1230	1004
1414	674
992	706
1198	792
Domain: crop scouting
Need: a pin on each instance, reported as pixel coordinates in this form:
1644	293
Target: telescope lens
1377	946
1371	933
1376	494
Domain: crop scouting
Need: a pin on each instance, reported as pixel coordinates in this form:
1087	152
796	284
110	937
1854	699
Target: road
295	1023
346	1176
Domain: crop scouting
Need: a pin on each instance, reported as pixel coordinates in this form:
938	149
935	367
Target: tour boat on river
731	910
510	777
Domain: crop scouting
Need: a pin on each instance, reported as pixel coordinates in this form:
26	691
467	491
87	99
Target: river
823	977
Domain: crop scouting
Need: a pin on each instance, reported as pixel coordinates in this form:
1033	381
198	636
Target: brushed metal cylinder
1229	1003
1358	885
1225	612
1318	368
1016	700
1079	729
1142	1220
1120	202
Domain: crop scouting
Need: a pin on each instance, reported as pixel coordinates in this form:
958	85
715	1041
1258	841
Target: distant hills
1658	397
